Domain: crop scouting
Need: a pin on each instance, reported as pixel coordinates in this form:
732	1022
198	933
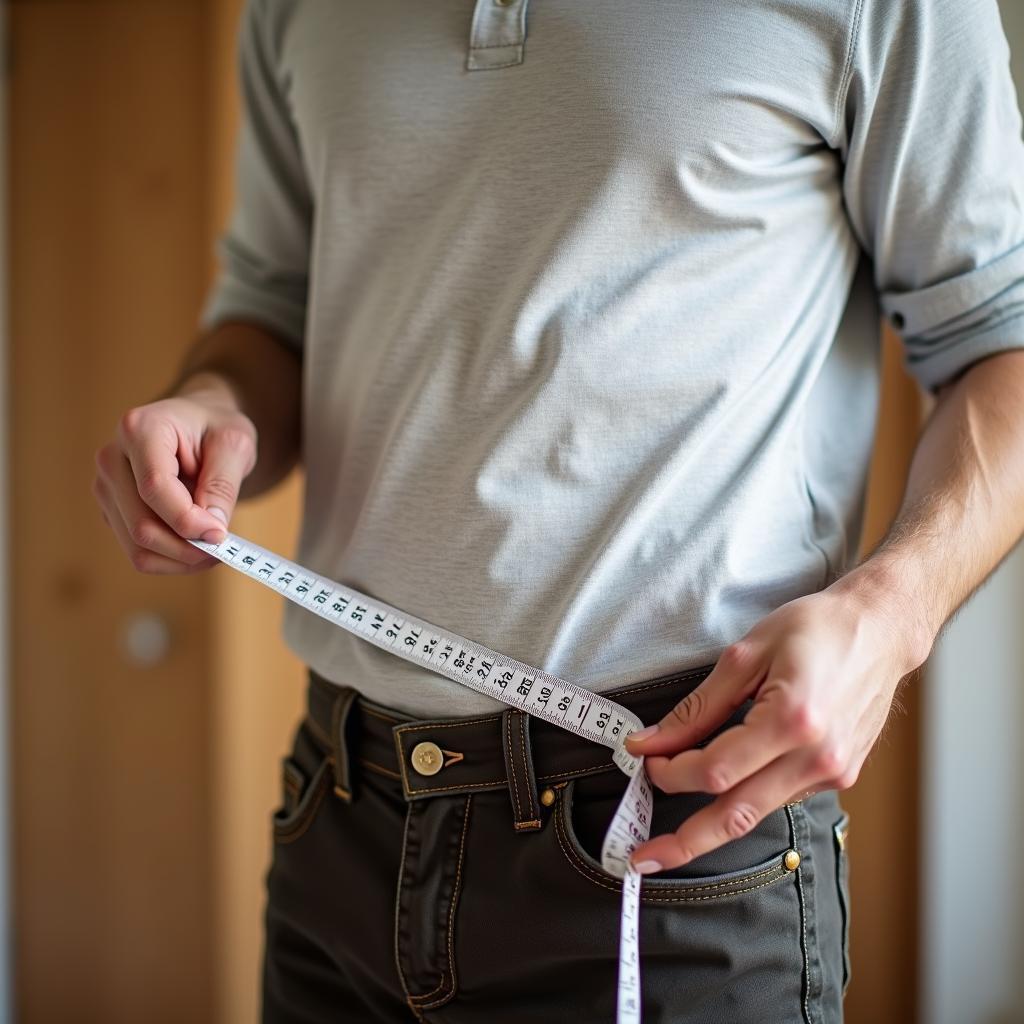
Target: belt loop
340	712
522	785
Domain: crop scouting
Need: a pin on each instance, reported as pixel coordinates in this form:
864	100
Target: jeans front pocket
744	868
305	778
722	938
840	831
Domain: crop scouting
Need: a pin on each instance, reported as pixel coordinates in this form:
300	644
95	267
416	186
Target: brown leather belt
504	749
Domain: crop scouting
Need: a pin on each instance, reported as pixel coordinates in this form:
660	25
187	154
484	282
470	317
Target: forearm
246	366
962	509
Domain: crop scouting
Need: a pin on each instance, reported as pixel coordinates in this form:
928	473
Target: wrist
209	386
893	591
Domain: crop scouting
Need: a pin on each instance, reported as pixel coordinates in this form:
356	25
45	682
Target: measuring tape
531	690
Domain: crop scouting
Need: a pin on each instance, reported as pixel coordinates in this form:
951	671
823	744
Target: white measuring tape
531	690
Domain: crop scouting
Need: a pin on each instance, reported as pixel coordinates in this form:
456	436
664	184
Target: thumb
227	459
726	687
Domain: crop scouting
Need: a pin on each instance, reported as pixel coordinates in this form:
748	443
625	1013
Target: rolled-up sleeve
929	129
263	253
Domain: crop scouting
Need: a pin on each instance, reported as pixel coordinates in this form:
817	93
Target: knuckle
847	779
690	708
683	849
805	723
104	458
737	654
220	487
739	820
132	422
179	522
150	484
829	762
142	561
142	532
715	778
235	439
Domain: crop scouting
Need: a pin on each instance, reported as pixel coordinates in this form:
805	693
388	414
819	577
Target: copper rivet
547	798
427	758
792	860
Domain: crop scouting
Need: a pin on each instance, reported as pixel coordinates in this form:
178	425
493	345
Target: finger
144	529
729	758
152	454
729	817
144	561
736	676
228	457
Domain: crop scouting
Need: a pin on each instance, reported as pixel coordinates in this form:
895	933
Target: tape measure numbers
529	689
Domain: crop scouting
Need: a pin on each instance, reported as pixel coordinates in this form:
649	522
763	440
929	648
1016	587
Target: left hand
822	670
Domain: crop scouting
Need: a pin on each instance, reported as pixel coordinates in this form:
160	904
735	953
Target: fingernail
647	867
212	536
643	734
218	513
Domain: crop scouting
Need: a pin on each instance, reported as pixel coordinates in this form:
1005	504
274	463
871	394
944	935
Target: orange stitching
428	727
531	795
658	684
580	771
461	785
801	898
401	764
654	897
512	772
377	714
379	768
588	872
451	914
398	909
299	828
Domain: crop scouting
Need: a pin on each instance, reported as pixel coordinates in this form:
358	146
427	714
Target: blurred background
145	717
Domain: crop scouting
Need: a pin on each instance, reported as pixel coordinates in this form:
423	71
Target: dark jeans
450	871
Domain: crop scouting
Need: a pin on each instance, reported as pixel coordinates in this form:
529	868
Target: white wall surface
973	842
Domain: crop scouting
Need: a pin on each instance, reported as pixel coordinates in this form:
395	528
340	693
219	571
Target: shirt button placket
497	35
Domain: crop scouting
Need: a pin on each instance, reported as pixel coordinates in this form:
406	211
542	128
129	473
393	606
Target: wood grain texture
112	832
258	687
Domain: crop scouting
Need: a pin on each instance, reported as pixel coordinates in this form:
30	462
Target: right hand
174	471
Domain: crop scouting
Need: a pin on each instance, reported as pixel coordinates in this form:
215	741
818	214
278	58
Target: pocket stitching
841	825
298	822
668	891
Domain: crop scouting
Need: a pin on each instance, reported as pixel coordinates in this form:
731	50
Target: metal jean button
426	758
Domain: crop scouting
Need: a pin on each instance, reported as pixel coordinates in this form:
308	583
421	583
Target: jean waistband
506	749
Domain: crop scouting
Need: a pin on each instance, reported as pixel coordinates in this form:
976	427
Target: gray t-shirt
588	297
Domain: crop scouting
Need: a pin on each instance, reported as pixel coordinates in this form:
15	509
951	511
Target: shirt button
427	758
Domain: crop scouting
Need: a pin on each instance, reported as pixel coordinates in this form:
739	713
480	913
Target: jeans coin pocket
305	778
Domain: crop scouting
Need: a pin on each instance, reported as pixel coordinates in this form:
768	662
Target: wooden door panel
107	194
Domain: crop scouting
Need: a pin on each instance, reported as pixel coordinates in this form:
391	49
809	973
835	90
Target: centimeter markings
587	714
539	693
